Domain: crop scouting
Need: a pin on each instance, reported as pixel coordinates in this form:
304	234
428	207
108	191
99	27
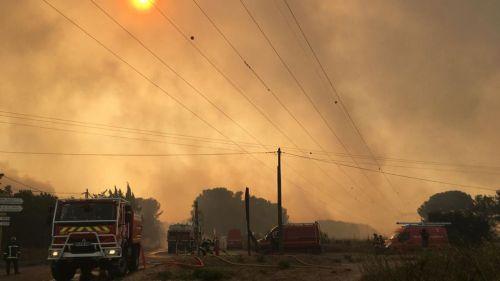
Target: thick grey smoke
419	78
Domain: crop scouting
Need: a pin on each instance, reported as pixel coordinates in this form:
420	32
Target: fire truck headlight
54	253
112	252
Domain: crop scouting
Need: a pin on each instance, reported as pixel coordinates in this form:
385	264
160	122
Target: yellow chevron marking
98	229
105	229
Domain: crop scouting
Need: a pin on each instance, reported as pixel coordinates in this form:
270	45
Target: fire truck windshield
86	211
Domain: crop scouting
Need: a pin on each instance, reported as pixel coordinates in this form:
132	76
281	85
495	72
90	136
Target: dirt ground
160	266
327	267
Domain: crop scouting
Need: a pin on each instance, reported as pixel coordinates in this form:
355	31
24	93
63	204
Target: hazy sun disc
142	4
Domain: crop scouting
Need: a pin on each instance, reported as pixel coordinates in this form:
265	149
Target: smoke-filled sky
420	79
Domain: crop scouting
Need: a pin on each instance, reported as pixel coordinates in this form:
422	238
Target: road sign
4	223
11	208
11	201
4	218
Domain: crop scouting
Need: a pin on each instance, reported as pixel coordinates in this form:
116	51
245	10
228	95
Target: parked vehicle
297	237
412	236
180	238
234	239
89	233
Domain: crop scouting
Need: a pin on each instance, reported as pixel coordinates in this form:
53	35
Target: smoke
419	78
23	182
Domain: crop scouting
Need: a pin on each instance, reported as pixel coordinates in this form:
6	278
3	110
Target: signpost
8	205
11	208
11	201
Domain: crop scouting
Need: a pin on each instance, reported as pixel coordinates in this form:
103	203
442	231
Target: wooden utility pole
247	211
196	226
280	212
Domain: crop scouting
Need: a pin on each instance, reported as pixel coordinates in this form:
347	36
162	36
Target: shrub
209	274
457	264
284	264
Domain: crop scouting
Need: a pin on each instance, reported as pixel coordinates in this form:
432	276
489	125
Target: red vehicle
410	236
89	233
297	237
180	238
234	239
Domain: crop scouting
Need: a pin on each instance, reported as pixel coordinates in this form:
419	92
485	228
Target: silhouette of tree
221	210
445	202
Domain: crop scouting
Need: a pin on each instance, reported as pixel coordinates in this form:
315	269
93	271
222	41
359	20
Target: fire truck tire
119	267
62	271
133	263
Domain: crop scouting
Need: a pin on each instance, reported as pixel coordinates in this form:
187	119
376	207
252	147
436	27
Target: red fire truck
297	237
89	233
409	236
234	239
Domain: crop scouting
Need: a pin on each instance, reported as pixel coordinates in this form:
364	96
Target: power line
261	80
130	154
335	92
303	91
224	142
55	120
187	82
112	136
395	174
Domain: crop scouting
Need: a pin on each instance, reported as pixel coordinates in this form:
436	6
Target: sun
142	5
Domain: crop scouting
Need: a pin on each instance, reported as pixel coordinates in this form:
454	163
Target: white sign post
11	201
11	208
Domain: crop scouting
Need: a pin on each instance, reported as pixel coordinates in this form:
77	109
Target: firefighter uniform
11	255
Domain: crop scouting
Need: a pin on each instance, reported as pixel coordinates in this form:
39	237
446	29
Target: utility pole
280	212
196	226
247	211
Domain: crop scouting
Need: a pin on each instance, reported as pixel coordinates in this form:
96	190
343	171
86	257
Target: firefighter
11	255
425	238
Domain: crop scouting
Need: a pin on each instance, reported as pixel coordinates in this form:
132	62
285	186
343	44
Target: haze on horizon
420	79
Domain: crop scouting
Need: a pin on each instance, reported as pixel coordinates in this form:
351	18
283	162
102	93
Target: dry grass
454	264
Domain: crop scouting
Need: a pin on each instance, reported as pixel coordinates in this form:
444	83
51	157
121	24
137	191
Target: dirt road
160	267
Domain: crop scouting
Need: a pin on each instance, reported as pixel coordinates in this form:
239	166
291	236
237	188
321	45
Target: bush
208	274
164	275
284	264
455	264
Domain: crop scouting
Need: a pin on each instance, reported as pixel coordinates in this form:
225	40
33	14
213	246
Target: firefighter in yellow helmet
11	255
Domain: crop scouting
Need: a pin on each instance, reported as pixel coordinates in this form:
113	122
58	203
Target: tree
467	227
221	210
446	202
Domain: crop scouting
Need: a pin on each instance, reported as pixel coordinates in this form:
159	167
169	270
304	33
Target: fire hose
304	265
199	263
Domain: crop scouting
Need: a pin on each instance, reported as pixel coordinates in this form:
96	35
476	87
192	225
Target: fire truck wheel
118	268
133	263
62	271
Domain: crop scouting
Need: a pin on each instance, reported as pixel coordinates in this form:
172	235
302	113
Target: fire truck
180	238
90	233
408	236
297	237
234	239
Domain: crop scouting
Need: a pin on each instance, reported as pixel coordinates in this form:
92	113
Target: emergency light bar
425	223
